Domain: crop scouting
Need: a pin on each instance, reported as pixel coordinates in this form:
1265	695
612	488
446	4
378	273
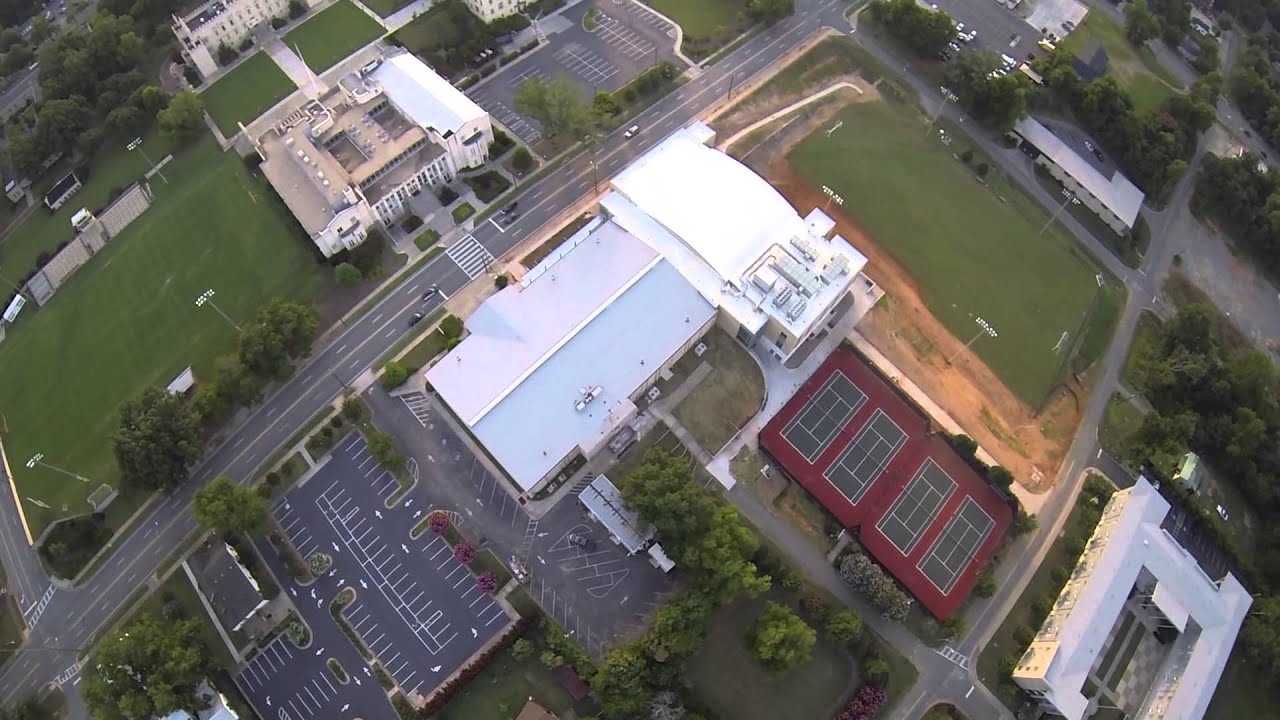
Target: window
782	339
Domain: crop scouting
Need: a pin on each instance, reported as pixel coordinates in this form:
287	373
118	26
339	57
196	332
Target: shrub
814	604
446	195
226	55
348	275
487	582
246	45
296	9
278	22
985	587
966	157
521	649
864	704
522	160
352	410
502	281
464	553
439	523
844	626
394	374
1023	635
1024	523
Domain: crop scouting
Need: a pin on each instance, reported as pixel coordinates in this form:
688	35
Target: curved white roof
723	211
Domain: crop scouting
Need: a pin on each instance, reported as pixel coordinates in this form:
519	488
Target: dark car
415	319
582	541
511	208
430	293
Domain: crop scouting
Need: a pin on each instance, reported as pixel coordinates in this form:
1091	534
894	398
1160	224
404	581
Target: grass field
700	18
113	167
386	8
726	677
246	92
502	689
1122	419
1243	692
972	255
332	35
726	398
178	589
127	320
1136	69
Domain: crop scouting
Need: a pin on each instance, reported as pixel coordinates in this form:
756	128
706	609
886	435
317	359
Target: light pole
947	96
984	328
1069	197
137	145
206	297
832	196
595	180
38	459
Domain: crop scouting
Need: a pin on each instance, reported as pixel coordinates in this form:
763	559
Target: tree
844	626
661	490
604	107
780	640
1139	24
925	31
556	104
282	331
1000	477
464	553
28	709
677	633
622	682
157	440
521	160
521	649
394	374
720	559
770	11
381	447
348	275
1261	634
18	57
183	120
226	55
225	506
869	579
1024	523
150	670
296	9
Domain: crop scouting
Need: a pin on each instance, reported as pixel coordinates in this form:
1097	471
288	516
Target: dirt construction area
1031	444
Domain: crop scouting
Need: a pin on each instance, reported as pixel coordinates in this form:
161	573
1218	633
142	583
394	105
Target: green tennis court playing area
972	255
249	90
127	320
333	34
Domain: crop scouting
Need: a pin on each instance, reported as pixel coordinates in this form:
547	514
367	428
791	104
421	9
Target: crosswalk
470	255
419	406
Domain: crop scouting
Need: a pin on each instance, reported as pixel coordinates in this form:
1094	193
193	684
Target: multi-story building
352	159
222	22
490	10
1140	627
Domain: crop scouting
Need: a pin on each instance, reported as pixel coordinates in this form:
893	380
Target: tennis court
866	456
813	429
956	546
877	463
915	508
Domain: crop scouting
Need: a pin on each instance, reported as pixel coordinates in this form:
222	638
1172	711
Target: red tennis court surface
866	455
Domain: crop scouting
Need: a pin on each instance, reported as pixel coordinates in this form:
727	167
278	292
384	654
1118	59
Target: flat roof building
351	160
490	10
1139	625
223	22
1116	200
776	277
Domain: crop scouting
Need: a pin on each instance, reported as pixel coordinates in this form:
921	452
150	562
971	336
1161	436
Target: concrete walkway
294	67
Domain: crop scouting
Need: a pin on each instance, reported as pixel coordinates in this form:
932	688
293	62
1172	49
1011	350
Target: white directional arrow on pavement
436	669
404	547
335	546
362	585
474	633
319	651
366	671
544	562
268	701
408	502
375	512
417	514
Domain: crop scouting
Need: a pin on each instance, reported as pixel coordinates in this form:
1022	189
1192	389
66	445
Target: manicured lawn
114	167
246	92
1121	420
728	678
332	35
1136	69
700	18
1145	337
127	320
502	689
386	8
972	255
1243	692
462	212
726	398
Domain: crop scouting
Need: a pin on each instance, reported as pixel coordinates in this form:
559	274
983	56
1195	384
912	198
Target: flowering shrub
487	582
864	705
464	553
439	523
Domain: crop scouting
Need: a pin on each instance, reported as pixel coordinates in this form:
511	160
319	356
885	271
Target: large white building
1139	626
552	366
490	10
223	22
352	159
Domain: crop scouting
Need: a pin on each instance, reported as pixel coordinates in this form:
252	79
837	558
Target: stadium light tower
38	459
1068	197
832	196
206	298
137	145
984	328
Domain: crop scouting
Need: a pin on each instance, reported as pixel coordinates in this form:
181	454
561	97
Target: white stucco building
687	238
1139	626
350	160
490	10
223	22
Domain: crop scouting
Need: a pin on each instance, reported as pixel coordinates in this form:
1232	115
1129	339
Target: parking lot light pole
206	298
947	96
1069	198
137	145
984	328
38	459
832	196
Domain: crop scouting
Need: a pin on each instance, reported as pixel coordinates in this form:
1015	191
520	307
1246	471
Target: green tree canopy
183	120
281	332
226	506
780	640
157	441
149	670
556	104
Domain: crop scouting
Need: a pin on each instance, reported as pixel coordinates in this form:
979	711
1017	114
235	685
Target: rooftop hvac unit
797	309
782	297
805	248
302	154
288	142
764	278
838	267
320	174
588	394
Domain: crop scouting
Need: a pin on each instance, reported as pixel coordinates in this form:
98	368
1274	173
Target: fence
115	218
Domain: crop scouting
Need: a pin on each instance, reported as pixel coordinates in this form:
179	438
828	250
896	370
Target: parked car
582	541
1222	512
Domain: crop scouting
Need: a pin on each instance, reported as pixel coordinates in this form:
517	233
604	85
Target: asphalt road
83	611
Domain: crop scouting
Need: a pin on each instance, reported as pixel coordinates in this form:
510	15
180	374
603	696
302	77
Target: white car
631	132
1222	512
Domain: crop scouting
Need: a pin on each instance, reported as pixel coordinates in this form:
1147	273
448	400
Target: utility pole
947	96
206	298
1069	198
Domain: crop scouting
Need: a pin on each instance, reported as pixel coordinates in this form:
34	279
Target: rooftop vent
588	394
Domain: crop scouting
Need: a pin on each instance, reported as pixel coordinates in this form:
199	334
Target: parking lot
416	607
625	40
597	593
1000	30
